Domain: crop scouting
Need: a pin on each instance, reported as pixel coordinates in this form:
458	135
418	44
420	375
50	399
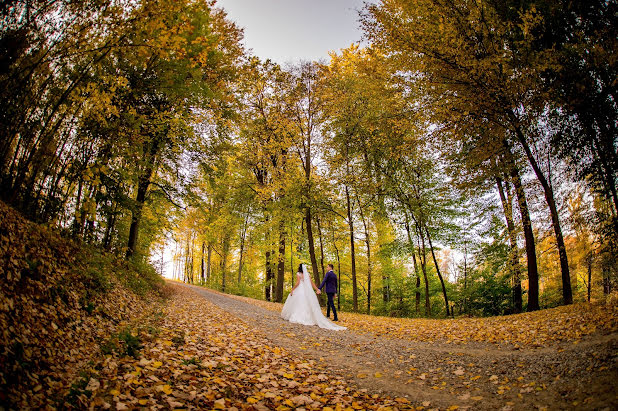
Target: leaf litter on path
204	357
473	374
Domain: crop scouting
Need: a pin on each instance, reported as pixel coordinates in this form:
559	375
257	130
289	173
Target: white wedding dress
302	306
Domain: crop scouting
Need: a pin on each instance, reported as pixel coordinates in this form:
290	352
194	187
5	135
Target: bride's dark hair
300	267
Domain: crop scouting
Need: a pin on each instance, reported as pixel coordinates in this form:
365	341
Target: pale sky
287	31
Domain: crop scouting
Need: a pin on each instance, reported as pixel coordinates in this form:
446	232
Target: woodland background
463	163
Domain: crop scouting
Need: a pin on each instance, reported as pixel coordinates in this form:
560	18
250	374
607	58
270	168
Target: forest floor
213	350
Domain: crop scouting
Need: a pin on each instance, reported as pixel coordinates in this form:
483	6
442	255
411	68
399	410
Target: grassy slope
59	302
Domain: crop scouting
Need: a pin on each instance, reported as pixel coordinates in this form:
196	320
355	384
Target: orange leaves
535	329
219	364
57	304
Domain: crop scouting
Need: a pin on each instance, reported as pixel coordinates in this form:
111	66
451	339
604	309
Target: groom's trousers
330	305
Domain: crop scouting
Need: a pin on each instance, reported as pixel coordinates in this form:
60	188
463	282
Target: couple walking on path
302	306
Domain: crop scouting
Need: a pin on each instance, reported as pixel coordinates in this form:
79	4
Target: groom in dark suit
330	280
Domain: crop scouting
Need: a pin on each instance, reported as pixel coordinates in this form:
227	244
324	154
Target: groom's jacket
330	279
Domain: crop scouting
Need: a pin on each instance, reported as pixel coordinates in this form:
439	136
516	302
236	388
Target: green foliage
78	388
486	294
191	361
125	343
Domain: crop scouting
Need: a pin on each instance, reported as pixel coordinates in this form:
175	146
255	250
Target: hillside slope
59	303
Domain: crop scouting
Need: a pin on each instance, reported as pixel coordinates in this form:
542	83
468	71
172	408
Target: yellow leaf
157	364
143	402
220	404
288	375
252	400
165	388
378	375
114	392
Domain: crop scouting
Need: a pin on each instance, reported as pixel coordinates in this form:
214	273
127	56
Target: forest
460	160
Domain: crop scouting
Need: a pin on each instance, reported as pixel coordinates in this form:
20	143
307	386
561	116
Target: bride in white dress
302	306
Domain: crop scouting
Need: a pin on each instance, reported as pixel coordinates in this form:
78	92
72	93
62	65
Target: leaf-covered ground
59	302
528	330
564	373
198	356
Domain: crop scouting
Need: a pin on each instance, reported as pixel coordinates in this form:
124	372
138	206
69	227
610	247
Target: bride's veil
306	279
307	284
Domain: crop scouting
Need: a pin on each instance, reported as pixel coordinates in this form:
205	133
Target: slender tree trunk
269	276
243	235
423	261
292	255
589	264
368	247
140	199
109	229
280	264
533	273
507	207
77	222
208	261
567	294
338	271
224	254
321	247
435	261
186	271
352	252
417	291
314	262
465	299
202	271
368	274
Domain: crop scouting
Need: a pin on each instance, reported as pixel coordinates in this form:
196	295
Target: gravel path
441	375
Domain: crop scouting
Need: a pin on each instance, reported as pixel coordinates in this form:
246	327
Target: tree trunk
589	264
140	199
368	274
269	276
417	291
533	273
224	253
435	261
321	247
243	235
202	263
109	229
352	253
338	269
507	207
368	247
567	294
185	278
423	261
292	255
465	300
280	264
208	261
314	262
